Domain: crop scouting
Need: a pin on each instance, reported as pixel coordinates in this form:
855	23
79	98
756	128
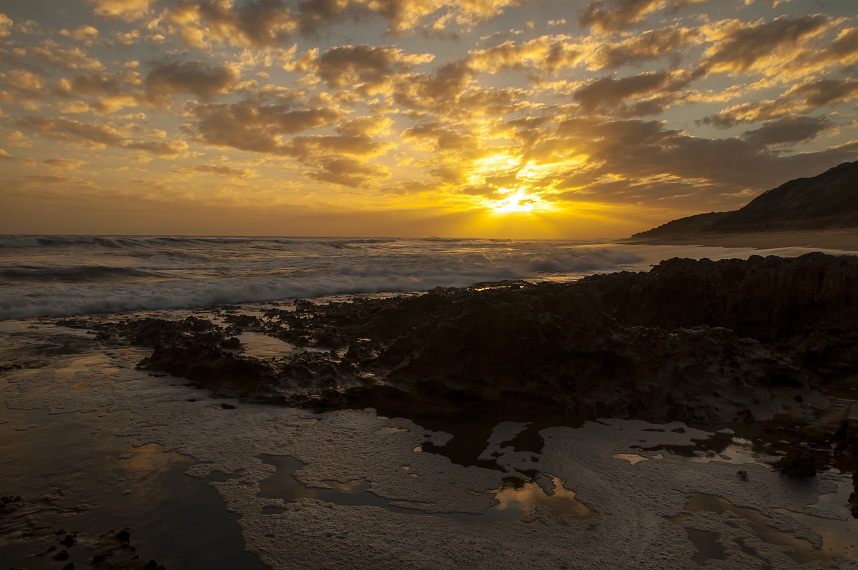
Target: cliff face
829	200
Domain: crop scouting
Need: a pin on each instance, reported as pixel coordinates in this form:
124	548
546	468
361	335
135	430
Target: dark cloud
826	91
368	68
349	172
614	15
273	23
748	46
609	93
95	136
435	91
254	127
647	46
191	77
788	130
656	163
441	137
258	23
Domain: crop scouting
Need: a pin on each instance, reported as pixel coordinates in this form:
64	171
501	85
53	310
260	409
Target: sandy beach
845	239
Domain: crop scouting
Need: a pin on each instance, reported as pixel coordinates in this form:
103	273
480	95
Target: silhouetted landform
827	201
705	342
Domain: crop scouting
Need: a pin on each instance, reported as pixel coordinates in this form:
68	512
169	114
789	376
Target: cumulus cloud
125	9
826	91
86	34
739	47
615	15
647	46
787	130
349	172
69	58
5	25
545	53
367	68
647	162
257	127
609	93
191	77
99	136
271	23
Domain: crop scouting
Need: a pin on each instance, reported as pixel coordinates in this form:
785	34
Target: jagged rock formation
829	200
697	341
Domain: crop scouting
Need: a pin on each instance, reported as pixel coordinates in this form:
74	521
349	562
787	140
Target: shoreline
845	239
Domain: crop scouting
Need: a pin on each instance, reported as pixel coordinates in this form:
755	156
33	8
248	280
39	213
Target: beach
436	429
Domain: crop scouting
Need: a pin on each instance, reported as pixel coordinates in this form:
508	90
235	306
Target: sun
517	201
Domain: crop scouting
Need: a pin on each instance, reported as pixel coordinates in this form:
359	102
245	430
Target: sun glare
517	201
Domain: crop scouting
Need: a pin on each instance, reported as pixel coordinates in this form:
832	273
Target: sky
451	118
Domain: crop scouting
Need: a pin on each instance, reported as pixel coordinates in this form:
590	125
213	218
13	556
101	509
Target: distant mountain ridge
826	201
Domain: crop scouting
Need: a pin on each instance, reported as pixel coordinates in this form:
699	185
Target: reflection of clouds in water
526	496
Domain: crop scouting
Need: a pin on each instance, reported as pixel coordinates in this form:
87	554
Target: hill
826	201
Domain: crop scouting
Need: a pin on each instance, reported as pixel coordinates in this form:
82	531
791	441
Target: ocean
58	276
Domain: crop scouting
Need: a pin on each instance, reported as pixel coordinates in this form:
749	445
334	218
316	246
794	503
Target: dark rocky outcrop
697	341
829	200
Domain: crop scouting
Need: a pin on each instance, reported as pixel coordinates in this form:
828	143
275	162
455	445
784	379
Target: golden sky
465	118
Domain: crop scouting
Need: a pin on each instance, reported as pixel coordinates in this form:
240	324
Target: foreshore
845	239
429	415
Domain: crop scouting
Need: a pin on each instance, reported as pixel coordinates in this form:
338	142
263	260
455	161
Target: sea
56	276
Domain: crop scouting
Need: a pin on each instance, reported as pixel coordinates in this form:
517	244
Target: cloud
191	77
545	53
86	34
646	162
615	15
435	91
274	23
228	171
739	47
367	68
99	136
5	25
259	23
646	46
22	80
69	58
826	91
4	154
125	9
257	127
788	130
608	93
809	96
349	172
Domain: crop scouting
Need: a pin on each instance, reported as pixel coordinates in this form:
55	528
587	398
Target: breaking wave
67	275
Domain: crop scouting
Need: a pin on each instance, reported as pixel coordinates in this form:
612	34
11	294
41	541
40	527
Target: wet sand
352	488
838	240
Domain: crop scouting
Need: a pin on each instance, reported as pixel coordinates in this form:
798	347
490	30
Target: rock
743	475
61	555
798	462
124	535
696	341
